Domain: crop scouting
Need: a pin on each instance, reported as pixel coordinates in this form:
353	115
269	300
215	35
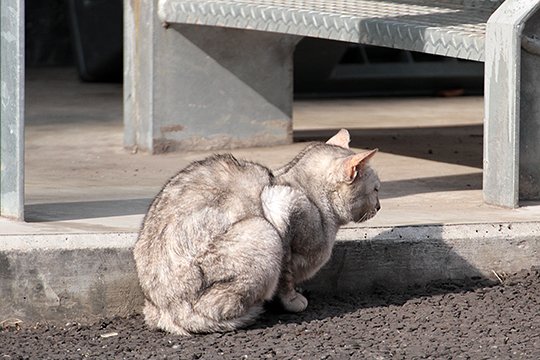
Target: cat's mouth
366	216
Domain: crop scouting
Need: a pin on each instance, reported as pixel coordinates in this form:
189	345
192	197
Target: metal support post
12	109
512	111
196	87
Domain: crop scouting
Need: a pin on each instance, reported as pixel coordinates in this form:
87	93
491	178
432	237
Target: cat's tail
202	324
278	203
188	321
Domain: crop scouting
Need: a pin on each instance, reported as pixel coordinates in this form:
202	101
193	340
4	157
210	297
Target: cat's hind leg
163	319
240	274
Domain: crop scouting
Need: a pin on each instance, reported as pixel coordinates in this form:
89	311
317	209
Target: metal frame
512	56
482	30
453	28
197	76
12	109
512	107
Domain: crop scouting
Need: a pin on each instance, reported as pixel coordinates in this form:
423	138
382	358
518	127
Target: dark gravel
473	320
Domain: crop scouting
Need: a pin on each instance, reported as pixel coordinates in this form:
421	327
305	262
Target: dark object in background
47	35
97	34
326	68
322	68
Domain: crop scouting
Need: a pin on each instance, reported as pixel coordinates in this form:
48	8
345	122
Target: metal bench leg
12	109
529	138
196	87
512	110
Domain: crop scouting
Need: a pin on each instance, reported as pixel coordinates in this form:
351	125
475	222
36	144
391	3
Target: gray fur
225	235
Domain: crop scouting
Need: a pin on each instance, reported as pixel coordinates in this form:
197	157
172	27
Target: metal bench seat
449	28
211	74
215	74
219	74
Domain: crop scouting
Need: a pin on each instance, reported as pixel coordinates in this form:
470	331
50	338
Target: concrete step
86	197
84	277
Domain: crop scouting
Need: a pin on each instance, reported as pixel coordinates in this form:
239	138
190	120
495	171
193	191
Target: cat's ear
354	164
342	138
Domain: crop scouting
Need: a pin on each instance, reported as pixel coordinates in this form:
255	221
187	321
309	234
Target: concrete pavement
86	196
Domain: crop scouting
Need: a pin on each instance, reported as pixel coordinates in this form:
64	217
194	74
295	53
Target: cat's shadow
392	268
328	306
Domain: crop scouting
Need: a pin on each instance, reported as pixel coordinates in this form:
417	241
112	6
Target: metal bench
218	73
199	76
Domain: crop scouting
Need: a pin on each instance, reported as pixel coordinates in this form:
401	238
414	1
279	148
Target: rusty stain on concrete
219	142
171	128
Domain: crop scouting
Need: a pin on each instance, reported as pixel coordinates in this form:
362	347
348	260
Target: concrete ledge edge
126	240
85	277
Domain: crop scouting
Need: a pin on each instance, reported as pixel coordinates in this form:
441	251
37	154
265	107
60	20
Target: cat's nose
378	206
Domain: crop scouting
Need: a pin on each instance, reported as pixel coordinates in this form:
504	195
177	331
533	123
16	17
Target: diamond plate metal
453	28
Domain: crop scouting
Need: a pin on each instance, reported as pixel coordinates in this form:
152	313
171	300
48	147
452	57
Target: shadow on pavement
85	209
400	188
460	145
389	269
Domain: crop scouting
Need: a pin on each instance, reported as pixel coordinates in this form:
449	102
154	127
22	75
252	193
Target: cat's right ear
355	164
342	138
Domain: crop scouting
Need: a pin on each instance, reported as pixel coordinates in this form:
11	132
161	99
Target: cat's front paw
294	303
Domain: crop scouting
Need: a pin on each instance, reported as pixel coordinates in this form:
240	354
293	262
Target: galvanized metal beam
529	135
194	87
445	27
12	109
512	112
203	58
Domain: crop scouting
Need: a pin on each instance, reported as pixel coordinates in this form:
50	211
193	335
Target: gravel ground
473	320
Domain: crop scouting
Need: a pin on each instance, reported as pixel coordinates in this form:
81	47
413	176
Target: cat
225	235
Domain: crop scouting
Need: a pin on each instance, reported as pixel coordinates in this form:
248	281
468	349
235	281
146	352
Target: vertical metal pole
12	109
529	139
503	96
139	42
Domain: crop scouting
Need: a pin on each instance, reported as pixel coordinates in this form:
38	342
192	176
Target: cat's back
224	183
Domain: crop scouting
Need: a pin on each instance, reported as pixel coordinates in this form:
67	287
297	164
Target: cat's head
339	180
353	184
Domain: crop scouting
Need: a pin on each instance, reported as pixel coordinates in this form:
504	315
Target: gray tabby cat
225	235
